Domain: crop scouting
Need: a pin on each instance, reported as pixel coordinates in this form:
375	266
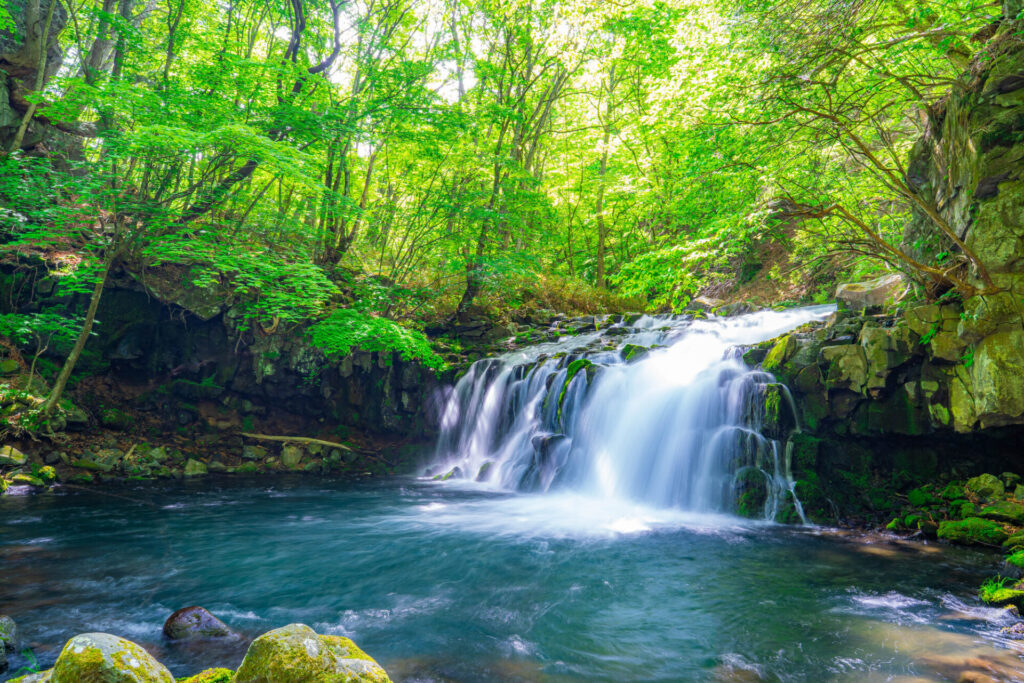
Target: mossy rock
962	509
209	676
103	658
972	531
1016	559
1004	511
985	486
995	592
12	457
195	468
633	352
922	497
117	419
8	634
27	480
297	654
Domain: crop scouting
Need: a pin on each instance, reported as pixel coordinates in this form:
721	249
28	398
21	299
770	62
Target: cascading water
662	412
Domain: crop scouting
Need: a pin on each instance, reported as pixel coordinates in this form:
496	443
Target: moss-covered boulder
985	486
103	658
1004	511
195	622
297	654
195	468
12	457
972	531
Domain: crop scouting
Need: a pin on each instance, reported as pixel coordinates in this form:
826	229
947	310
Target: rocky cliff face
936	390
187	359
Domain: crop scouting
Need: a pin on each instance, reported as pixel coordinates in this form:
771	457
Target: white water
670	430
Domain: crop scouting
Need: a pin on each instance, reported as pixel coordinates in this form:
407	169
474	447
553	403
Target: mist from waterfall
676	426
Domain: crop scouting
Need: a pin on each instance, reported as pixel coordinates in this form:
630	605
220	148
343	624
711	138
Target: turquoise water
442	583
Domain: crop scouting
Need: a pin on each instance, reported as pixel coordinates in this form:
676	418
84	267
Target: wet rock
8	634
972	531
453	473
12	457
9	367
985	486
104	658
195	622
484	471
297	654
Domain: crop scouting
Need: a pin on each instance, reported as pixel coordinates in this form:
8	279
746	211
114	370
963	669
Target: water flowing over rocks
657	410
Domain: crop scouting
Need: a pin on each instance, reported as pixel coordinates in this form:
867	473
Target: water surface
449	583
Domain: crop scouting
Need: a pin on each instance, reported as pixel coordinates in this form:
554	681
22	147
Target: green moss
922	497
961	509
574	369
248	468
631	352
296	654
209	676
780	353
995	591
972	531
1004	511
1016	559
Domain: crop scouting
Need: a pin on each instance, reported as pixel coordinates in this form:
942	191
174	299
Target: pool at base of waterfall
453	583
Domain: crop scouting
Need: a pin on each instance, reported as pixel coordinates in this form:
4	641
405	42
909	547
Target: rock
484	471
453	473
847	367
1004	511
12	457
254	452
291	456
972	531
27	480
103	658
194	468
104	460
985	486
8	634
859	295
9	367
297	654
210	676
1010	480
195	622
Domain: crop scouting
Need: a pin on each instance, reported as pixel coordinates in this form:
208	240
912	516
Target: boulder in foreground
297	654
102	658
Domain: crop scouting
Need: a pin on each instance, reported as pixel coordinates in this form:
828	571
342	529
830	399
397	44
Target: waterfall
661	411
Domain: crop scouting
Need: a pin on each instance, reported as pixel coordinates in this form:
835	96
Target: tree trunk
83	337
40	77
602	228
